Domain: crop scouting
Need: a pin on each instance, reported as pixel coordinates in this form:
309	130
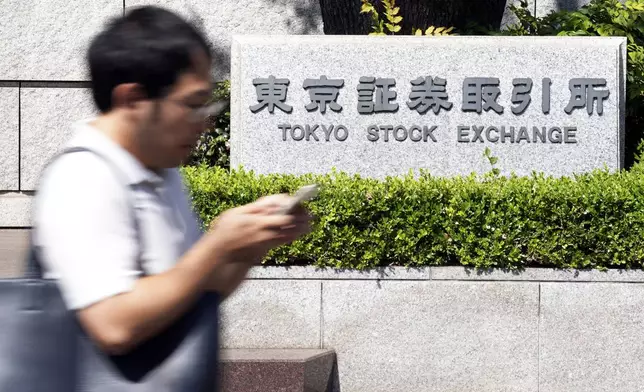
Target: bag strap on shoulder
34	267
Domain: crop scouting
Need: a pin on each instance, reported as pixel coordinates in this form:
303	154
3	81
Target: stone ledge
15	213
538	274
316	273
284	370
448	273
272	355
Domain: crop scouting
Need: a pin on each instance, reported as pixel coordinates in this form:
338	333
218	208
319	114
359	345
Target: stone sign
382	106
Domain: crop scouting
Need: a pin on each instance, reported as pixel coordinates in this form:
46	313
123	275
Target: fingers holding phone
266	223
305	193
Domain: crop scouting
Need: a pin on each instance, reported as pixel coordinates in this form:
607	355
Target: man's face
175	122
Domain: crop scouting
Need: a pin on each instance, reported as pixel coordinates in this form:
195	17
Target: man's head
150	72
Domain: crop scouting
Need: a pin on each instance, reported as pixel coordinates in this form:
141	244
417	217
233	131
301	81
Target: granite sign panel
382	106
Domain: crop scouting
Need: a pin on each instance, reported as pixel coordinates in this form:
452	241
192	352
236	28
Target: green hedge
594	220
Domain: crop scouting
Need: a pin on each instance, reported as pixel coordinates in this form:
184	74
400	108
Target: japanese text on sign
429	94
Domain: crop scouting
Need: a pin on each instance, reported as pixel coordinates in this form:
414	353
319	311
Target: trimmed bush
213	147
594	220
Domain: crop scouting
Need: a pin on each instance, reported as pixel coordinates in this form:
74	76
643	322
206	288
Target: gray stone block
46	118
509	17
260	141
433	336
47	39
589	337
544	7
311	272
251	370
273	314
9	131
222	19
14	244
15	210
537	274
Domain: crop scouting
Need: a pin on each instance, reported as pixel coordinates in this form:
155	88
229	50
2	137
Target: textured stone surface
272	355
47	39
13	252
46	118
538	274
445	274
257	141
543	7
311	272
15	210
589	337
223	18
433	336
248	370
546	6
273	314
9	131
509	18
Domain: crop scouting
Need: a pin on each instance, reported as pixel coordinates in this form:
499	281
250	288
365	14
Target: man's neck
120	132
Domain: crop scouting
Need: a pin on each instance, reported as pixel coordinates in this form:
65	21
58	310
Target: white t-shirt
83	220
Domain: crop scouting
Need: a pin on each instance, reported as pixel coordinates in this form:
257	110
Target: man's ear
127	96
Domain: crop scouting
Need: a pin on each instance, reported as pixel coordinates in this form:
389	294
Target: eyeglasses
207	111
204	112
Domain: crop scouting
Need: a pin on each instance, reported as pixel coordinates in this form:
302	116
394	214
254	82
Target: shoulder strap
34	267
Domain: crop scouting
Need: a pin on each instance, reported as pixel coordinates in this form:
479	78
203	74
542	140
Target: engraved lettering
429	133
477	133
387	129
569	135
429	93
337	133
398	136
411	133
488	132
583	93
373	133
368	85
271	93
481	94
327	132
545	95
523	135
463	134
284	128
541	135
554	135
323	92
505	134
310	132
521	95
299	136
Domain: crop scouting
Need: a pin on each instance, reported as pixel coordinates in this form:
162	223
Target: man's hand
250	231
226	278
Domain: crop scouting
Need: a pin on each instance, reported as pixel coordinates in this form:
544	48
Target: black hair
149	46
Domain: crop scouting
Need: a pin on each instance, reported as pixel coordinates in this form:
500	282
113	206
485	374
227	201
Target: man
150	74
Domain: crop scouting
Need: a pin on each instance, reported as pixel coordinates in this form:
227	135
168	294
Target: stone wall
43	80
450	329
441	328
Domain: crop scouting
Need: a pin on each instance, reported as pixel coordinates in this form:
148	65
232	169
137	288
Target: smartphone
305	193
